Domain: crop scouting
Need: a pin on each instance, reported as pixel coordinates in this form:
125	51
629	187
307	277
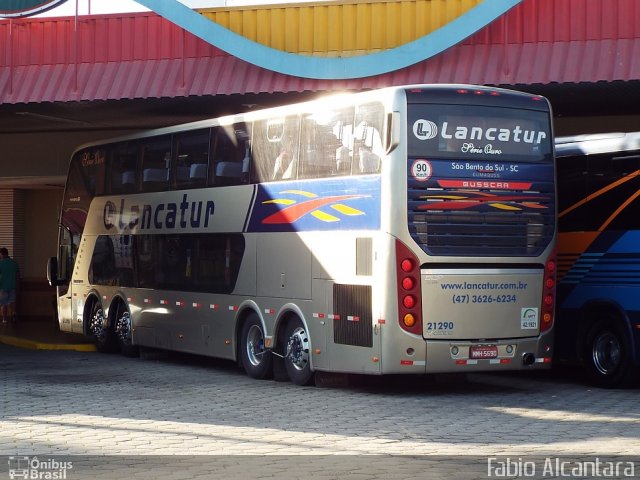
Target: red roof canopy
144	56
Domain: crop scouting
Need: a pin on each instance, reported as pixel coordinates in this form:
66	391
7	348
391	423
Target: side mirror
52	272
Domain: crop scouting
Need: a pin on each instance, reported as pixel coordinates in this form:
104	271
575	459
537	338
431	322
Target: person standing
8	286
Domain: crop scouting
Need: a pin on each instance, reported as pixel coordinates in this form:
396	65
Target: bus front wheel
256	359
297	359
607	354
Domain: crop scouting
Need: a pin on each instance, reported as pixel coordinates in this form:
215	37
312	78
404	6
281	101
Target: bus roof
597	143
336	97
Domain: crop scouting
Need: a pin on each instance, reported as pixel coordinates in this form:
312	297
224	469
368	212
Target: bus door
60	271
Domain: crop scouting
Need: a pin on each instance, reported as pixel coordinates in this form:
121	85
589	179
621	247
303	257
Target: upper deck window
123	168
156	164
232	155
192	159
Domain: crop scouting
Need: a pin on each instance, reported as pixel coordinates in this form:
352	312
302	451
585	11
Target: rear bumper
512	354
451	356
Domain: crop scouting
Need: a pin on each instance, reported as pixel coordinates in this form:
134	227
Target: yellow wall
344	28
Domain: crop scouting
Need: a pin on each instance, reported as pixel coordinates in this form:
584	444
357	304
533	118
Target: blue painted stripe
26	8
628	243
331	68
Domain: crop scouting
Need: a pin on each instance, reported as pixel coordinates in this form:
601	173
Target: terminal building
65	81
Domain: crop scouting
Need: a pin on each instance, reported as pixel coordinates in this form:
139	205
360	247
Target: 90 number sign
421	170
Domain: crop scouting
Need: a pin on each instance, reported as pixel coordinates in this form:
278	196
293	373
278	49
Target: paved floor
155	414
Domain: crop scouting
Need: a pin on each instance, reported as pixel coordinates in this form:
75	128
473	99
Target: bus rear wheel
297	357
607	354
256	359
99	329
124	331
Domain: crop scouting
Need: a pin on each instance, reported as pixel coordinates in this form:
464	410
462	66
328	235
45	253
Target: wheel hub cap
298	349
606	353
255	345
123	328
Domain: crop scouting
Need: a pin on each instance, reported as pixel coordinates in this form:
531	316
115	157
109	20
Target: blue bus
598	296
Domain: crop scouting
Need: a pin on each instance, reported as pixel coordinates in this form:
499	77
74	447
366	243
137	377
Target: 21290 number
439	325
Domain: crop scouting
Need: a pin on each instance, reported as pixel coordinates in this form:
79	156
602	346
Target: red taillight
551	266
408	283
409	295
409	301
407	265
548	294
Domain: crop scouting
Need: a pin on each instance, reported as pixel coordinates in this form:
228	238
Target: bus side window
368	140
102	266
615	210
286	165
219	257
231	158
112	261
572	173
148	260
192	159
123	168
176	259
275	149
88	169
156	164
318	146
343	130
326	143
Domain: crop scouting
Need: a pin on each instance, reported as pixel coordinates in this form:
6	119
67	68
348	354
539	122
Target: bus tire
254	356
100	330
607	353
124	331
297	355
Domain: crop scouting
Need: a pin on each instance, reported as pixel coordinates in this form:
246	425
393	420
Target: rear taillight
548	294
409	295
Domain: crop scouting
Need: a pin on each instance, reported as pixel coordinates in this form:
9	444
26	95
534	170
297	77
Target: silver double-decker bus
409	229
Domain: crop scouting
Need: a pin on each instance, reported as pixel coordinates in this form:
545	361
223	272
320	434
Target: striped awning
142	55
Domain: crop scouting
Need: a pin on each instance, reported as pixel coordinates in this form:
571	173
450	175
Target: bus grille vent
353	326
455	222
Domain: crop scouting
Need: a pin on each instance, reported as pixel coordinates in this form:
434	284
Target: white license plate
483	351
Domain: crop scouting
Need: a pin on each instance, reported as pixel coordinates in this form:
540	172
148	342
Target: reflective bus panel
404	230
599	255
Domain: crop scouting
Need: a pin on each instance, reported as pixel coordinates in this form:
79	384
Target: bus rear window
478	132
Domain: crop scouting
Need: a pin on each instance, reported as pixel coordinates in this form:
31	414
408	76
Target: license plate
483	351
